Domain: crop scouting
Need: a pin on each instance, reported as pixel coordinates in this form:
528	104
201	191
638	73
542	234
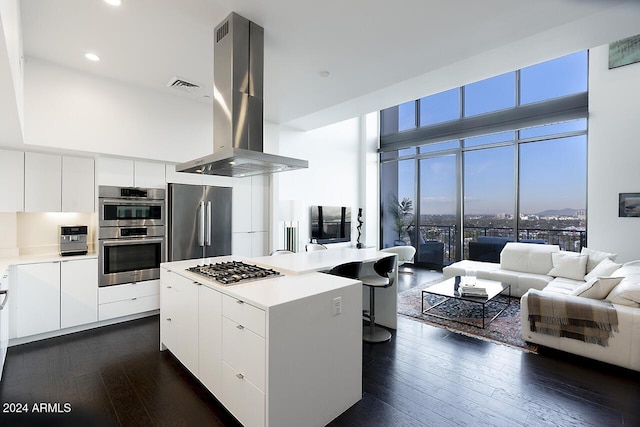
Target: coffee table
450	289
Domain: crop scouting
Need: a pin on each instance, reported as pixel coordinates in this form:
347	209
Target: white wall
11	74
335	174
77	111
614	152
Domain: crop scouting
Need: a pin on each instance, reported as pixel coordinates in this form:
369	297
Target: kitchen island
279	351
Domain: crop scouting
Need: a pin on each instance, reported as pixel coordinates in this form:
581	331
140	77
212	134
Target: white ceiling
368	46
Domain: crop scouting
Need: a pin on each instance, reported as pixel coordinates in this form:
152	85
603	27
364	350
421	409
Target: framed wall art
624	52
629	205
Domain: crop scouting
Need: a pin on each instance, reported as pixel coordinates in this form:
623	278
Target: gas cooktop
233	272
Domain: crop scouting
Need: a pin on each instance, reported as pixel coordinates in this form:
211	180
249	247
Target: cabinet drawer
177	282
131	306
244	314
242	398
108	294
244	351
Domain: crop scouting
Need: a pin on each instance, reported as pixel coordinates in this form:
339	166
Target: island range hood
238	75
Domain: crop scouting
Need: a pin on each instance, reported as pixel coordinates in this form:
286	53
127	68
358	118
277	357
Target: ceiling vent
183	85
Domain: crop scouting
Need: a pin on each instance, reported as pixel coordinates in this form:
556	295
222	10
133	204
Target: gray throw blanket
584	319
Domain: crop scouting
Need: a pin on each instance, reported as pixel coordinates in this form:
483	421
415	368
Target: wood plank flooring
425	376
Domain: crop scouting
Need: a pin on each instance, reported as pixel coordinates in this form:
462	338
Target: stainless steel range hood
238	75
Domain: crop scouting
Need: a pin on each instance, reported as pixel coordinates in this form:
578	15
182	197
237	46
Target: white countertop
306	262
265	293
34	259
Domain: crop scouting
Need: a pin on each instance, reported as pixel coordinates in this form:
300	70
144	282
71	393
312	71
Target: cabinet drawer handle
168	286
240	376
6	297
168	319
240	327
133	299
240	301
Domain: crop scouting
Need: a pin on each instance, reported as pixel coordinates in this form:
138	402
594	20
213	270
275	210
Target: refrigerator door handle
207	237
201	224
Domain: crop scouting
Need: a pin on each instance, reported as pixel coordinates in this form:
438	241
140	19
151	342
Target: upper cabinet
55	183
11	181
78	184
130	173
42	179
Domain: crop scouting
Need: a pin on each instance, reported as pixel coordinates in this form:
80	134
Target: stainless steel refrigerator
199	221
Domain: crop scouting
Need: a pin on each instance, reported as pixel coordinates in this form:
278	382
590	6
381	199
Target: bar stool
383	279
281	252
404	253
350	270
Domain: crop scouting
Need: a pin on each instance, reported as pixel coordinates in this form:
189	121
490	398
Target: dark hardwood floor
425	376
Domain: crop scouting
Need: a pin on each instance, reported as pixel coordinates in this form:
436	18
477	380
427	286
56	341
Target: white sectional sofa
570	278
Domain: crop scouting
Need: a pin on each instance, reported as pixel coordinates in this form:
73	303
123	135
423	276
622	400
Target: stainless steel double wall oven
131	237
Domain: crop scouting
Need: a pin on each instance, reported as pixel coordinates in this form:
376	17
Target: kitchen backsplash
37	233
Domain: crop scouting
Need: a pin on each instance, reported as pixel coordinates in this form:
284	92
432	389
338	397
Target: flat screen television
330	224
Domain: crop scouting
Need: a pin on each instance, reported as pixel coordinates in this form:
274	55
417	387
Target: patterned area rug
505	329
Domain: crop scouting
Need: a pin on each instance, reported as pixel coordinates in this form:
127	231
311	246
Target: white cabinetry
129	298
130	173
58	184
179	320
78	188
210	339
243	361
37	298
54	295
250	219
4	318
11	181
42	178
78	292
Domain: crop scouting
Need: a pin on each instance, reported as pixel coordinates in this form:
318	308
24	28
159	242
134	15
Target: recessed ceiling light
92	56
113	2
324	73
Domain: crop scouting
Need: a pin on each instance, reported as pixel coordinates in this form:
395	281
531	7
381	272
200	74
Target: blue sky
552	173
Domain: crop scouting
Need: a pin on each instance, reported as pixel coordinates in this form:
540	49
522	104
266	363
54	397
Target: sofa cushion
605	268
562	285
595	257
527	257
597	288
569	265
533	281
627	292
461	267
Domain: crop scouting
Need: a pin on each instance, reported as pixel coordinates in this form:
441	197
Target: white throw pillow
569	265
595	257
626	293
604	269
597	288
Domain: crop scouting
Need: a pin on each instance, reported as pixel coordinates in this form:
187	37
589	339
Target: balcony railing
567	239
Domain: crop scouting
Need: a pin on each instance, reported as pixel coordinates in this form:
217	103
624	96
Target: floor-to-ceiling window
500	158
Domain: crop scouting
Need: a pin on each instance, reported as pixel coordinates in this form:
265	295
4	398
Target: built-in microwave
124	206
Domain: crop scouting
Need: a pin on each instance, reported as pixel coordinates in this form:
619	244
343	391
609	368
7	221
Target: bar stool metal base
378	335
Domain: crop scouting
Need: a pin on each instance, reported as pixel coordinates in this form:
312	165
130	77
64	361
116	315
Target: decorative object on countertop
290	213
359	228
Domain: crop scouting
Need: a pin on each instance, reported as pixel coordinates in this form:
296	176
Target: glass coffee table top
451	288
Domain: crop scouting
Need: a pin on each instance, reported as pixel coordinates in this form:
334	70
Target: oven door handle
201	231
142	241
132	202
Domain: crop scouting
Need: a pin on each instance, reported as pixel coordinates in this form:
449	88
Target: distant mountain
558	212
